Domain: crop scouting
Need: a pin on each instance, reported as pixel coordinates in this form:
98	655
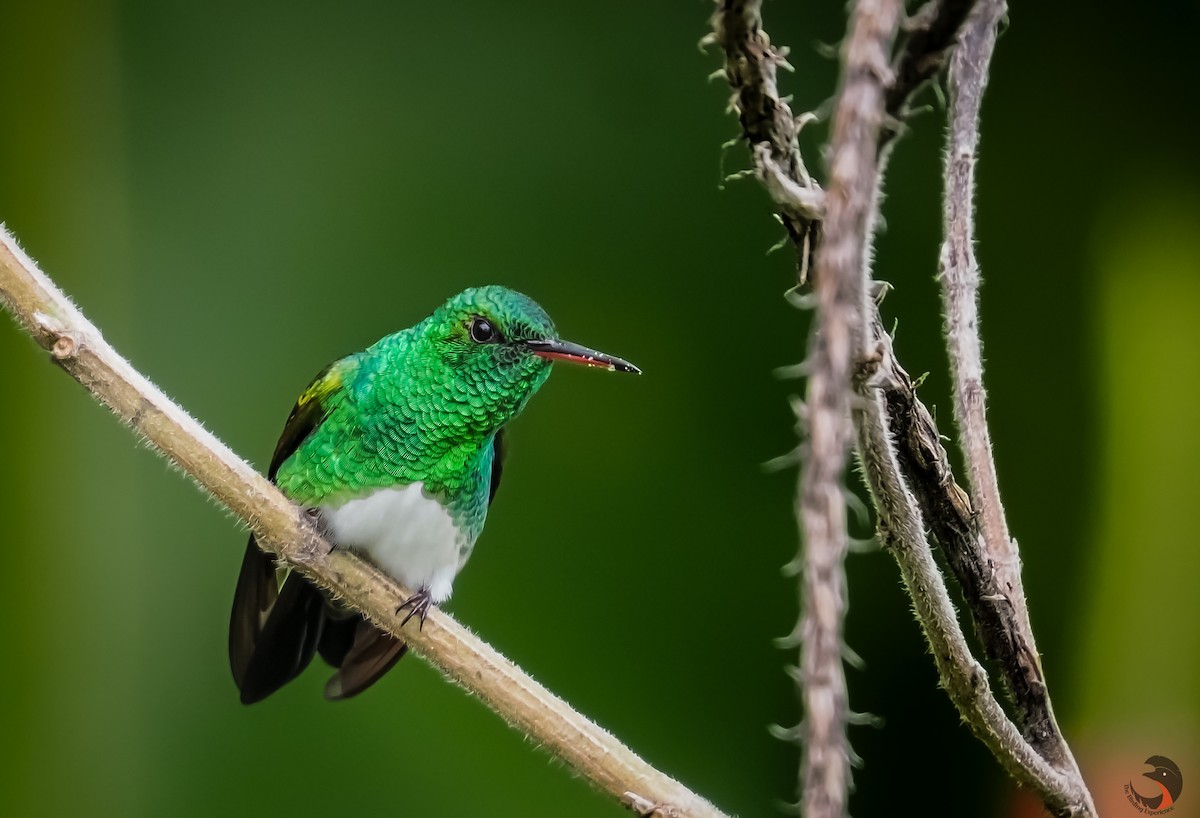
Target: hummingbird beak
554	350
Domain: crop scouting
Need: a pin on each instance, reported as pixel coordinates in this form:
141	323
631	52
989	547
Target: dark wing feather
288	639
370	656
257	590
499	448
274	630
309	412
337	637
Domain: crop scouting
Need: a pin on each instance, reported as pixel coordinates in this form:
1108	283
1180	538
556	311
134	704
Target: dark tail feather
273	631
256	592
337	637
371	655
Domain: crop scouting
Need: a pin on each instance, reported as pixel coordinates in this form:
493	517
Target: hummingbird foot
418	605
318	521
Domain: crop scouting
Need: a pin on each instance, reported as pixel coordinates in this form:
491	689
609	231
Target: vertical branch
838	339
767	121
904	463
959	276
1000	607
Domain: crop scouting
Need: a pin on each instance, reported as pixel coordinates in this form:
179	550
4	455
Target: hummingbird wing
370	654
276	626
499	449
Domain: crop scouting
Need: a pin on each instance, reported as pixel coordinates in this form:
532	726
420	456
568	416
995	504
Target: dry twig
988	564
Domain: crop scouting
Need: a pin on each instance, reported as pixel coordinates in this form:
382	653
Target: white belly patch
407	534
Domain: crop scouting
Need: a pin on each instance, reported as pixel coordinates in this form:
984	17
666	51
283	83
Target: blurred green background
238	193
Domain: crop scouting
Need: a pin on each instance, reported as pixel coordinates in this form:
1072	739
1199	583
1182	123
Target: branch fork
904	464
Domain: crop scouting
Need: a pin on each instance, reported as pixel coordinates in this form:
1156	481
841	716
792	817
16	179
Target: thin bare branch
904	462
837	341
988	564
902	533
77	346
959	276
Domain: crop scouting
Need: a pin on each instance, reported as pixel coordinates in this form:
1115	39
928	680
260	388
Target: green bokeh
238	194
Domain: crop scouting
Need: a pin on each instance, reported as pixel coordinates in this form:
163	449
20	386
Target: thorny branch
837	341
931	34
77	346
767	122
905	465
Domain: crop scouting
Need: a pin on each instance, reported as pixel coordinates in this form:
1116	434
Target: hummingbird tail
274	629
370	655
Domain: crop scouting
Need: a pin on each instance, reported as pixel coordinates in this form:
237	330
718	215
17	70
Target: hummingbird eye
483	331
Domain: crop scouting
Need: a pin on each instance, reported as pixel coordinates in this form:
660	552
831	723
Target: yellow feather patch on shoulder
322	388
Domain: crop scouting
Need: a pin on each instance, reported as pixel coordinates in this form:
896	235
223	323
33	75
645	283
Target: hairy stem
891	424
991	562
837	340
904	462
931	33
77	346
767	122
959	275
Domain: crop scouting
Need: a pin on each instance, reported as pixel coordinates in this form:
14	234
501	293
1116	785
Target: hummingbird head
494	346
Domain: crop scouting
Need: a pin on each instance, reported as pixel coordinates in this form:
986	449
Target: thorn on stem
787	373
851	657
864	719
791	641
806	118
880	290
788	734
800	300
783	461
779	245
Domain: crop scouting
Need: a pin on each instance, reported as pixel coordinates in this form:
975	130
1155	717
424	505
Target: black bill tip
555	350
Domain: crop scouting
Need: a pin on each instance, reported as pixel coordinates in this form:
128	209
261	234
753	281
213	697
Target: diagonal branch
931	35
77	346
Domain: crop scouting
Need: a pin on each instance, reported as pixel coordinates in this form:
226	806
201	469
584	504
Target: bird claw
418	605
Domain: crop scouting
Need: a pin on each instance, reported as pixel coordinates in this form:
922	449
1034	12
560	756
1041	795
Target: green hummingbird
397	451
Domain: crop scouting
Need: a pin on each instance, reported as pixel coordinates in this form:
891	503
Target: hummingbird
397	453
